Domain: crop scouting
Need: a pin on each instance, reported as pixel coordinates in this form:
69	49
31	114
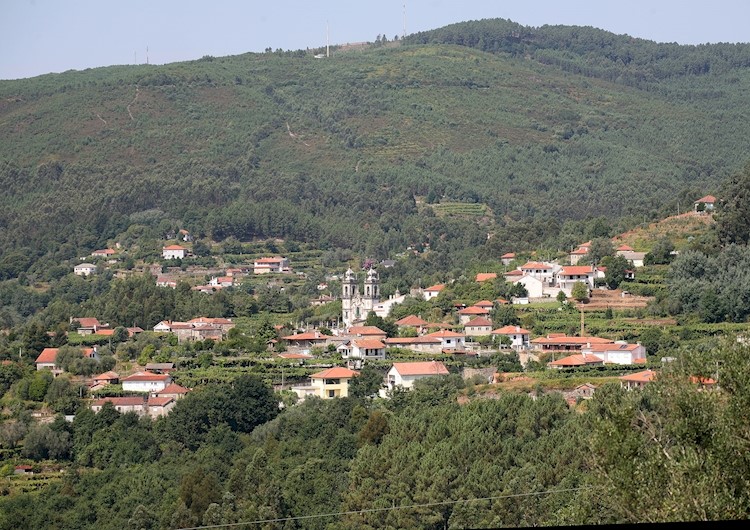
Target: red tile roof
174	247
438	287
536	265
473	310
640	377
577	270
173	388
508	255
107	376
269	260
571	340
577	360
159	401
707	199
509	330
484	276
127	401
337	372
421	368
413	340
411	320
87	322
48	355
485	303
624	248
365	330
147	376
210	320
444	333
478	322
369	344
613	347
580	250
308	335
514	272
295	356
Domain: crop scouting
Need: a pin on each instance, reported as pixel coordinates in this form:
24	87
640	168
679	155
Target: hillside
341	152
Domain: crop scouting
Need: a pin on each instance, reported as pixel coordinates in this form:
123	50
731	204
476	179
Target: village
414	347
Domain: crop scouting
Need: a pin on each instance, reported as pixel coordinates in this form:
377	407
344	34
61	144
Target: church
356	306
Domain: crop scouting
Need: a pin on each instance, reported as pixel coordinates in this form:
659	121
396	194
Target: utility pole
404	34
582	328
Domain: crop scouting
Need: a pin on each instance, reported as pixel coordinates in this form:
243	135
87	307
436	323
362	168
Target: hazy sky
42	36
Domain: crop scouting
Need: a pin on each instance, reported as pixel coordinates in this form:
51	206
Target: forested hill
537	127
592	52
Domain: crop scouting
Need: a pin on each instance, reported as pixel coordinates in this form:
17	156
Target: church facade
356	305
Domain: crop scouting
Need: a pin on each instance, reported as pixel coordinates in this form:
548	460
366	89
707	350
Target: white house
146	382
103	253
635	257
469	313
383	307
328	384
47	359
166	281
362	349
432	292
450	340
271	265
173	252
142	406
478	327
122	405
708	204
541	270
619	352
404	374
637	380
221	281
84	269
535	287
569	276
519	337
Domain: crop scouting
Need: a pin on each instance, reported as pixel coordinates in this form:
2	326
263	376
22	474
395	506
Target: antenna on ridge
327	41
404	34
146	54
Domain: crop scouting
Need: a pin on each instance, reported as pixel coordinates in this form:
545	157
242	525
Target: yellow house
328	384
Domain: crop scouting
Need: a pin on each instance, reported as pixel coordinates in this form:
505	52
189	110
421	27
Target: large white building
173	252
355	306
146	382
276	264
404	374
84	269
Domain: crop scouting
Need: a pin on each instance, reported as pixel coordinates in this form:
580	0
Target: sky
43	36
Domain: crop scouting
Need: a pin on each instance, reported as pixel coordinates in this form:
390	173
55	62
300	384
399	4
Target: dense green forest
420	460
546	129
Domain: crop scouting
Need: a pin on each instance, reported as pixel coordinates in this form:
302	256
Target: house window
331	393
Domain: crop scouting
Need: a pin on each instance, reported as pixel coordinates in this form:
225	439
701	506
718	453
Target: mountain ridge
333	151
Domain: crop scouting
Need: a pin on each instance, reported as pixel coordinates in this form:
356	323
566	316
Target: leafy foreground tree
245	404
672	452
733	215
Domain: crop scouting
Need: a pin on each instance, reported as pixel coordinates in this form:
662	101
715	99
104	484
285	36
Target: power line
389	508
